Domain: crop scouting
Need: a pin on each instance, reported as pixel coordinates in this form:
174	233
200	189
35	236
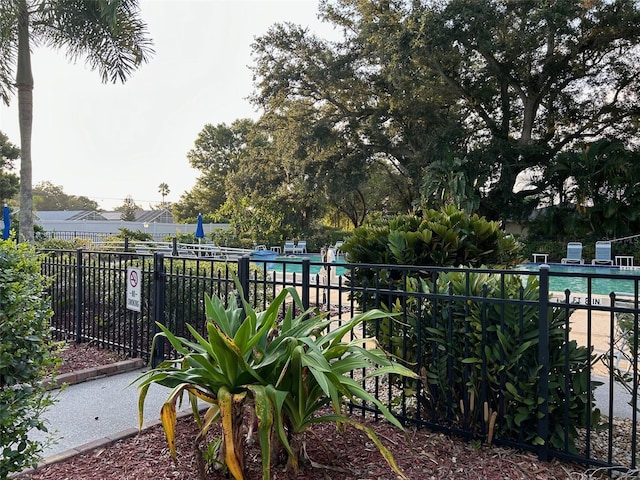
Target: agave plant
285	371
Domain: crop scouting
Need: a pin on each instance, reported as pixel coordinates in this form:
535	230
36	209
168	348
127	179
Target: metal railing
449	326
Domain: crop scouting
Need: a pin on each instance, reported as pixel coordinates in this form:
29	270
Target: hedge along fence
498	360
25	355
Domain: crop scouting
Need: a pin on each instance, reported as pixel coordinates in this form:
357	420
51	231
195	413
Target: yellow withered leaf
225	403
169	420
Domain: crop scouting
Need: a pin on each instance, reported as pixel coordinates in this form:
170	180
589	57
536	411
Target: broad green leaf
264	412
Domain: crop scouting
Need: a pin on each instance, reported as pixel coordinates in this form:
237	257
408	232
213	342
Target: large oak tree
505	85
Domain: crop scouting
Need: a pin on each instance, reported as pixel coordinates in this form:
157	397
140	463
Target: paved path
621	399
105	407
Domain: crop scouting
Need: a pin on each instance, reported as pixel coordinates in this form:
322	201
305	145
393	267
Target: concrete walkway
98	412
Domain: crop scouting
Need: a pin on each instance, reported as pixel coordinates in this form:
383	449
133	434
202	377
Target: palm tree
163	189
108	33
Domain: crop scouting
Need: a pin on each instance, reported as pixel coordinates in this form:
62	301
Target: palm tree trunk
24	82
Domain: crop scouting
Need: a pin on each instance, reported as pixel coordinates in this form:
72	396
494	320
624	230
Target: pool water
625	281
294	264
599	286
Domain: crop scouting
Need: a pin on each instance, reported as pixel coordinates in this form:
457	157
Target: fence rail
510	365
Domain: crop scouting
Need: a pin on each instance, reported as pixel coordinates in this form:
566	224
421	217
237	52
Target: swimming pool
294	264
566	279
563	277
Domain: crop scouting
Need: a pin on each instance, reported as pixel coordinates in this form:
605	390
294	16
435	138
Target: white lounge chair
603	254
289	247
574	253
301	247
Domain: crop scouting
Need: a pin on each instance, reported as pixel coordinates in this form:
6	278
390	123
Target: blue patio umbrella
199	228
6	217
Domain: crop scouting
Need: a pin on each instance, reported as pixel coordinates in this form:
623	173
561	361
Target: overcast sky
107	141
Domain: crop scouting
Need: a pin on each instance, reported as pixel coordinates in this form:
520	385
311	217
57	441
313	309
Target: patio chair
603	254
574	253
289	247
301	247
337	246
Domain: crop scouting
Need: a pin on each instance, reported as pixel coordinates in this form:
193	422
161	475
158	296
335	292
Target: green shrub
471	345
61	244
25	353
466	348
285	372
446	237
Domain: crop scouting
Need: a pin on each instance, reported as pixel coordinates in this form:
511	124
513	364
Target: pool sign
134	280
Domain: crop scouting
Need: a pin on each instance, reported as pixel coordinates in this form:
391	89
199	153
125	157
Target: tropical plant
285	370
446	182
25	353
445	237
477	353
110	35
163	189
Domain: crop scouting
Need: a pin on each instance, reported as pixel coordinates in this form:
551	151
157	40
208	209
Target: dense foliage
446	237
47	196
472	337
9	181
479	104
484	350
25	353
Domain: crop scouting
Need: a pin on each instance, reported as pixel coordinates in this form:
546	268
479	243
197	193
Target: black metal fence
505	356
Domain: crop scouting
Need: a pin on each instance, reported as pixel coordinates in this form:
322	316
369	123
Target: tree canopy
47	196
9	181
475	103
128	209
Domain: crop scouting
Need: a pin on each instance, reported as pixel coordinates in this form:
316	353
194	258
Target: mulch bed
333	454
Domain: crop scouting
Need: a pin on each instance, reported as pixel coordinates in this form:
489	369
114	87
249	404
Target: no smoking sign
134	300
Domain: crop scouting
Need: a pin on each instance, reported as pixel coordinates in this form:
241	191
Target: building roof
56	215
146	216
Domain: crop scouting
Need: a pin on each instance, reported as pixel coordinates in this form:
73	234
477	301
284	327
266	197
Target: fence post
159	284
243	275
543	356
306	284
79	295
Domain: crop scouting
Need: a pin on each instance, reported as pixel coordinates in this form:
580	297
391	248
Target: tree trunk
24	82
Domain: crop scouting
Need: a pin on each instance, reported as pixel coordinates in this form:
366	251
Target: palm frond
108	34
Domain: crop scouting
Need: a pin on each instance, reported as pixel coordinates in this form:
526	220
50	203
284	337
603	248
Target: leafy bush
468	344
61	244
446	237
463	348
285	373
25	353
471	345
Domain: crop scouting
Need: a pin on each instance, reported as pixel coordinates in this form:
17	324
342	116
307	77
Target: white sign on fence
134	282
